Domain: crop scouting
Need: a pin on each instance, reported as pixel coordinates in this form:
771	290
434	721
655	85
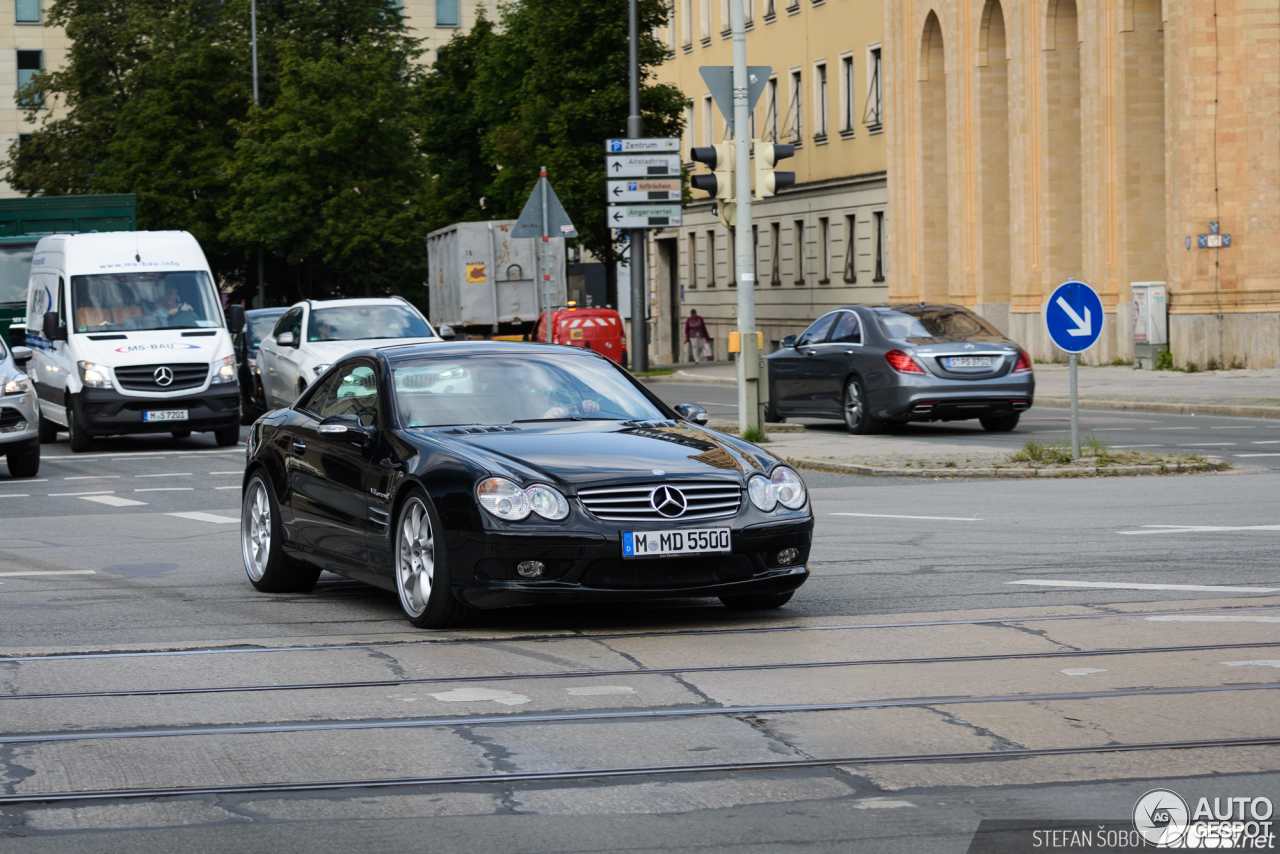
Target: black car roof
452	349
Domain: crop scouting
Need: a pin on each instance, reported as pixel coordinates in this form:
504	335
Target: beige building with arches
1033	141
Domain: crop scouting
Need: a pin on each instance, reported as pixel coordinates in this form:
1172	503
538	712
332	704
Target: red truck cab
598	329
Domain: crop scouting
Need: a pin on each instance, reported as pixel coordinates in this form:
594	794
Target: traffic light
719	159
769	181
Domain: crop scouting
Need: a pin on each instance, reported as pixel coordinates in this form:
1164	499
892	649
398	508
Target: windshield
260	327
362	322
15	269
934	323
506	390
120	302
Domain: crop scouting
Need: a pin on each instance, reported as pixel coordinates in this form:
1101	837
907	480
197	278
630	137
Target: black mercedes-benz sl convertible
489	474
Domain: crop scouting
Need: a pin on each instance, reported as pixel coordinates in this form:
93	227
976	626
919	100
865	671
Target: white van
128	336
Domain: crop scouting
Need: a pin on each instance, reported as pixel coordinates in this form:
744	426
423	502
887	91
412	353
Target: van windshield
119	302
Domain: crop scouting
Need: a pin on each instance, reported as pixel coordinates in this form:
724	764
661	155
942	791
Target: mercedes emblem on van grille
668	501
163	375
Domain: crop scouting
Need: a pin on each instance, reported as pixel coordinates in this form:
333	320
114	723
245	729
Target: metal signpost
544	217
1074	320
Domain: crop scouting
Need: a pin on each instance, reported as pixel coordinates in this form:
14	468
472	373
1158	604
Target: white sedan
313	334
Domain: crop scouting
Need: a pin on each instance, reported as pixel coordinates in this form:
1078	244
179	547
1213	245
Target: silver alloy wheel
415	558
255	530
852	404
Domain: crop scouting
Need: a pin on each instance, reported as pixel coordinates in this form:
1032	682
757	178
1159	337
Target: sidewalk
1247	393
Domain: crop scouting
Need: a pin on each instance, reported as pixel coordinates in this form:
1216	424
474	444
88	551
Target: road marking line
1206	444
1234	427
204	517
167	489
1117	429
226	487
1193	529
33	480
75	458
16	495
93	477
1213	618
1255	455
1110	585
112	500
1264	662
167	474
1267	442
895	516
227	472
49	572
1175	428
1137	446
78	494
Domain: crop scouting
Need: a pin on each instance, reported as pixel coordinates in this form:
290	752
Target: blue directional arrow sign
1074	316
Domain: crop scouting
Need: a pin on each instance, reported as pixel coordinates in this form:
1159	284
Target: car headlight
783	487
547	502
503	499
320	369
94	376
18	385
224	370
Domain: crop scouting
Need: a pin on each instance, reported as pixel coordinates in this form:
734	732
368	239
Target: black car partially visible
258	325
491	474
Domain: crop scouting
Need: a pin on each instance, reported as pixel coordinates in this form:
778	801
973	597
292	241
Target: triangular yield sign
530	222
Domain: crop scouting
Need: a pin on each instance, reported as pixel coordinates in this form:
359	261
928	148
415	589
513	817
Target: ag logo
1161	817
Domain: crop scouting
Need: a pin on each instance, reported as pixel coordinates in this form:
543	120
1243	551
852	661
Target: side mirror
235	319
52	331
21	355
285	339
692	412
789	342
18	336
349	426
446	332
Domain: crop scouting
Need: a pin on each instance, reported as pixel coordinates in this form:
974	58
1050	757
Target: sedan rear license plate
675	543
166	415
969	362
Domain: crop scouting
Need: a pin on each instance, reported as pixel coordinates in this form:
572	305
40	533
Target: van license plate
166	415
675	543
969	362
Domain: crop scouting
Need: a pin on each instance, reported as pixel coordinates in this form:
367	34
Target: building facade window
448	14
771	114
881	247
705	32
692	277
711	258
820	103
775	254
708	120
726	25
873	116
30	63
850	250
770	11
671	26
686	24
795	112
797	250
755	255
748	12
824	251
848	110
690	132
27	11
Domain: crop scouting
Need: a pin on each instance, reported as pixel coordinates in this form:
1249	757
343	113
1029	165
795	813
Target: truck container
24	221
485	282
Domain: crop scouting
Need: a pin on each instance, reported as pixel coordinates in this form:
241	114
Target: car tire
421	567
48	430
756	602
24	463
80	440
227	436
857	414
180	434
1001	424
270	570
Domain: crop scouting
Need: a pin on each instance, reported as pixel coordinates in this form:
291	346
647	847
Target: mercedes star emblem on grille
668	501
163	375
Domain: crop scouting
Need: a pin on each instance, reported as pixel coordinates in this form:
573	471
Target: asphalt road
951	630
1251	442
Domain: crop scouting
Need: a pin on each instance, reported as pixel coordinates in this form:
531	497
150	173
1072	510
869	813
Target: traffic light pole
744	252
635	129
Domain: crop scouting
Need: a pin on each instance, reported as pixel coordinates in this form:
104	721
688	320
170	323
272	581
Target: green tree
330	177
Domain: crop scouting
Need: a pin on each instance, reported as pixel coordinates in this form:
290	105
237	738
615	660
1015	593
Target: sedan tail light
902	363
1024	363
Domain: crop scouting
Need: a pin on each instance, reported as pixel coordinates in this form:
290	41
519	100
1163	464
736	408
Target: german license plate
675	543
166	415
969	362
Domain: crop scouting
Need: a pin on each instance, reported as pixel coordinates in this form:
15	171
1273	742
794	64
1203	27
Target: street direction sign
643	166
642	216
652	145
1074	316
644	190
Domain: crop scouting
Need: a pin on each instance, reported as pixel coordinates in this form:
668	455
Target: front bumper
19	422
931	398
105	412
589	567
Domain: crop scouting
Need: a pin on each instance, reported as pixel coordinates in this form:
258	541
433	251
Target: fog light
786	557
530	568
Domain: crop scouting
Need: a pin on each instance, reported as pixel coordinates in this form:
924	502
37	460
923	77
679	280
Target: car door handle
848	352
811	352
300	447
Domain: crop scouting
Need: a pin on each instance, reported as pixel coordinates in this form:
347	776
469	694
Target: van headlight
783	487
18	385
224	370
94	376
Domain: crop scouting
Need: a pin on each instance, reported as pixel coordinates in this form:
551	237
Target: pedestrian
696	335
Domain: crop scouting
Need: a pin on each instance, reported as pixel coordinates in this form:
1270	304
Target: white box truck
128	336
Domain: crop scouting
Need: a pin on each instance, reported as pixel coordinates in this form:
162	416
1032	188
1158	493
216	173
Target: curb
1072	471
1225	409
731	427
689	379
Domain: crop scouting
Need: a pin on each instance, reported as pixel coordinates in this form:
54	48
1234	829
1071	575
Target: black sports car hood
600	453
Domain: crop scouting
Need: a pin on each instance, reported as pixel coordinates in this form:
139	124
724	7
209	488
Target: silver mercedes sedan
878	366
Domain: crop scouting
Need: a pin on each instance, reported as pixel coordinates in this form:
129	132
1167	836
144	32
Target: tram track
637	671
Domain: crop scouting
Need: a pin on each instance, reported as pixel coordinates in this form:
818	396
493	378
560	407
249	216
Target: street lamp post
635	130
253	42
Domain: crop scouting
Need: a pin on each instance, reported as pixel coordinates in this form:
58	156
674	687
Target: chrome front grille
144	377
635	502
